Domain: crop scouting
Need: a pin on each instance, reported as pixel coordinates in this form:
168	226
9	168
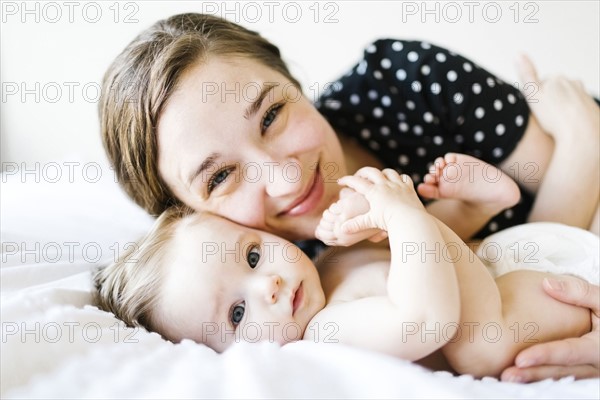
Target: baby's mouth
297	298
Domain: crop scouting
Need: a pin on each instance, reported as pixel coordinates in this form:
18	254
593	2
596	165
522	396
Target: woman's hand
578	357
562	106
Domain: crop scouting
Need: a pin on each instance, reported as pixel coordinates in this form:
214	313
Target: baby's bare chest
350	274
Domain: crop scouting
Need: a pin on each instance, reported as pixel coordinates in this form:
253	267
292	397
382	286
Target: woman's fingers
574	291
573	351
533	374
527	71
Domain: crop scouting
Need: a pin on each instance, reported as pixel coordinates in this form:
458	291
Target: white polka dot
416	86
377	74
410	105
392	144
460	120
377	112
435	88
359	118
476	88
491	82
365	134
500	129
401	116
418	130
459	138
397	46
374	145
403	126
511	98
393	90
451	75
371	49
386	63
354	99
421	152
416	177
441	57
428	117
458	98
385	131
403	159
438	140
425	69
519	120
467	67
333	104
509	214
497	152
362	67
425	45
372	94
412	56
337	86
479	112
493	226
497	105
479	136
386	101
401	74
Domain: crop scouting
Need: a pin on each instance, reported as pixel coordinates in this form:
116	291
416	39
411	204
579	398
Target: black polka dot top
409	102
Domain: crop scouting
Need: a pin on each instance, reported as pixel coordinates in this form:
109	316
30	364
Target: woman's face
236	138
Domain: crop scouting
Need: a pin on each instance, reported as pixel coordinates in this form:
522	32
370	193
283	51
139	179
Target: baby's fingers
357	224
359	184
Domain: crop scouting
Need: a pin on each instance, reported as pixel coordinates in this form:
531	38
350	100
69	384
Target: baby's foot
466	178
348	206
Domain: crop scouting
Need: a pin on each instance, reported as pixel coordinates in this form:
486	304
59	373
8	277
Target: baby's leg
500	318
473	192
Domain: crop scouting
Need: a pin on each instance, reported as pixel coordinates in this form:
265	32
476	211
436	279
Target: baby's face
226	283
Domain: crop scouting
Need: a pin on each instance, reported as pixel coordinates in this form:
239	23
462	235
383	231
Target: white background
54	50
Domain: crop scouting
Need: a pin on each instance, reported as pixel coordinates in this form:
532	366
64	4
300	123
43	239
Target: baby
201	277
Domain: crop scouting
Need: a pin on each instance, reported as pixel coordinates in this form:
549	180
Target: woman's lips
310	199
297	298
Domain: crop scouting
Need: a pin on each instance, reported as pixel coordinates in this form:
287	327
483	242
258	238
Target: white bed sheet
55	345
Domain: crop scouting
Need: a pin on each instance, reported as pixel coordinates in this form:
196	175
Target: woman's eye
253	256
237	313
219	177
270	117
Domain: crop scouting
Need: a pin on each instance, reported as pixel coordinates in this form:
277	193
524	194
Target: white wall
54	50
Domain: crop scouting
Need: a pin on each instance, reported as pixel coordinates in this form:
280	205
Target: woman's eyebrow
255	106
210	160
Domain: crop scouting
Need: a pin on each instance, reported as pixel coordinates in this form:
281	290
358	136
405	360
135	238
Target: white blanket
55	345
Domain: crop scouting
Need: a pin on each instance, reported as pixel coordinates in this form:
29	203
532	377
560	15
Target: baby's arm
422	291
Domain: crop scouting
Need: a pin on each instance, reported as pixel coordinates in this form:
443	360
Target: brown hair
129	288
141	79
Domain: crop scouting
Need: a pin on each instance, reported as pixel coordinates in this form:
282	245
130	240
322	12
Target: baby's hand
389	194
348	206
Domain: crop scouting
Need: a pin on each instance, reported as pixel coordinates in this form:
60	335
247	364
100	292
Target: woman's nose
284	178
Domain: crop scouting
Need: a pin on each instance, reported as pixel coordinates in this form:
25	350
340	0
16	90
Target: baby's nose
272	289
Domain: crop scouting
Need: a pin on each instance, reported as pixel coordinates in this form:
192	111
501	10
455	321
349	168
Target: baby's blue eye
253	256
237	313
